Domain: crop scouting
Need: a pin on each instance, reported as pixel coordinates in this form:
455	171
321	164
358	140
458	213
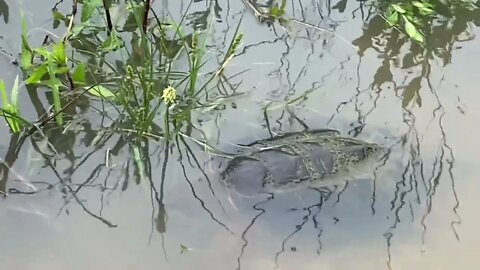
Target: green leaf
55	84
101	91
112	43
27	54
398	8
76	30
424	7
11	110
3	91
14	96
43	52
78	75
57	15
37	74
26	57
59	53
412	31
60	70
393	18
88	8
276	11
12	118
57	18
418	4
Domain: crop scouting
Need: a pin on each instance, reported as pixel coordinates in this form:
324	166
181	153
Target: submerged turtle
295	159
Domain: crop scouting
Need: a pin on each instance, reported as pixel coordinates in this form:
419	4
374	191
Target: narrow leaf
36	74
398	8
43	52
88	8
101	91
55	84
59	53
14	96
412	31
112	43
27	54
78	75
3	92
393	18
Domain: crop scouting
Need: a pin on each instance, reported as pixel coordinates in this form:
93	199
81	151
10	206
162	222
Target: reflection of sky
34	237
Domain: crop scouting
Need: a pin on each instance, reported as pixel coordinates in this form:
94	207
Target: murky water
71	209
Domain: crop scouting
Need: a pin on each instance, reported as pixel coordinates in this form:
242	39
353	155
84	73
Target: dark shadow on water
250	225
192	188
4	11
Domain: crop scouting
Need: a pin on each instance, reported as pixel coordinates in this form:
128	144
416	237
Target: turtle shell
293	158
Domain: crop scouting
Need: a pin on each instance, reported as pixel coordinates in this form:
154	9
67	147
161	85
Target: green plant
278	10
410	16
51	62
137	68
11	108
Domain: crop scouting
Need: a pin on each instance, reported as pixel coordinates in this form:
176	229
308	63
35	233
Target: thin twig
145	15
108	17
70	24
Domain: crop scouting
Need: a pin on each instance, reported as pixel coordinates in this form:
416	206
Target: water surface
417	210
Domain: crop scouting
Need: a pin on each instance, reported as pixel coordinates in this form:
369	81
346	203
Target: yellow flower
169	95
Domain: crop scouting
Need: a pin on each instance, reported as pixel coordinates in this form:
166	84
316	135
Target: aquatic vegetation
130	63
135	65
169	95
10	107
140	76
42	61
409	13
427	30
414	17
